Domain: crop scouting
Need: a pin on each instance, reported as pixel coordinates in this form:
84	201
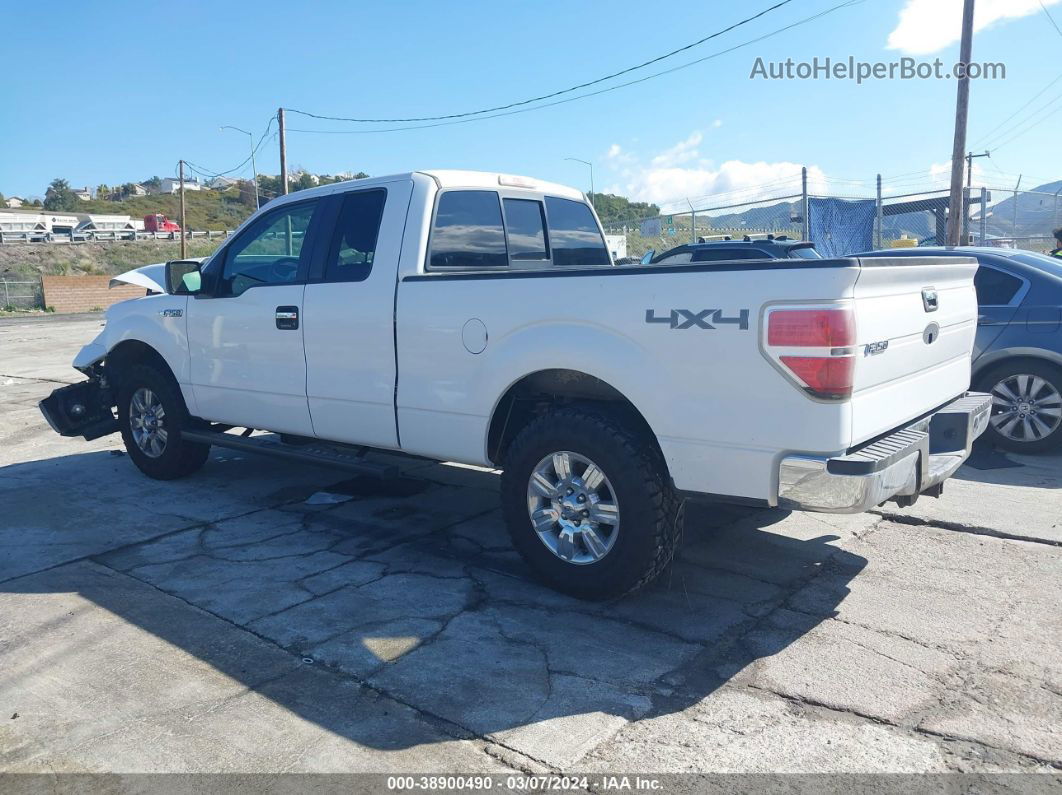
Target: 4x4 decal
705	318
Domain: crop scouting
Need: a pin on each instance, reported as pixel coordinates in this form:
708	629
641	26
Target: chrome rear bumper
908	462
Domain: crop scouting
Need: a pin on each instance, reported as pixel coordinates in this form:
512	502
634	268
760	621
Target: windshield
804	252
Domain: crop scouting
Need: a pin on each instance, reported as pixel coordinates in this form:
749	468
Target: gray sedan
1018	349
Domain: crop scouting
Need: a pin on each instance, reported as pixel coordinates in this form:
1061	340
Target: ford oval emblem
929	336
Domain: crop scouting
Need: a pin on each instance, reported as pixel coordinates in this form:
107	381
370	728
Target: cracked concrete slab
1026	501
740	731
106	673
398	630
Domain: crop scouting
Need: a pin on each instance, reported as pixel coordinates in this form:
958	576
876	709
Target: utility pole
693	221
969	165
878	217
184	223
962	108
283	154
805	229
1014	223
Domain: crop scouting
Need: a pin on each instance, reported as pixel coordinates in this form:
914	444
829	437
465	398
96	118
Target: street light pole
593	195
254	170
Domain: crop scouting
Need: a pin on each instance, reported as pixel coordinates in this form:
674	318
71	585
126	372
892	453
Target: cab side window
994	287
353	246
468	231
268	253
574	235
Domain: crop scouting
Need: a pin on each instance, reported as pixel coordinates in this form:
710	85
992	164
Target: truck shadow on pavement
408	591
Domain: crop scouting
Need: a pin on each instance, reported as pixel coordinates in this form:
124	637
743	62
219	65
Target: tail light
814	348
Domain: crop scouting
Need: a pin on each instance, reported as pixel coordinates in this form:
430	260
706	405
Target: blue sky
116	92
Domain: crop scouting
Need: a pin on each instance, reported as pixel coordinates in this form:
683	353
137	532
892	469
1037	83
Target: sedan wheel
1026	408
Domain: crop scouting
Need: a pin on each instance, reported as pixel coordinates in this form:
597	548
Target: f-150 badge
705	318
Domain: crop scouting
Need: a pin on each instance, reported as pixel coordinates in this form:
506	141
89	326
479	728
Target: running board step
324	455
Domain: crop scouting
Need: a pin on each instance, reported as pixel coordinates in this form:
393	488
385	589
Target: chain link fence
858	217
21	295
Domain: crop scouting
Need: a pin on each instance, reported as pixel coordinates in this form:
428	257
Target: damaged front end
85	409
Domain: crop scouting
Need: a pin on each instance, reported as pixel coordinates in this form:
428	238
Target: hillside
28	261
205	209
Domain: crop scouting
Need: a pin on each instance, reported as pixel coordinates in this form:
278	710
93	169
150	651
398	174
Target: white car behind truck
478	318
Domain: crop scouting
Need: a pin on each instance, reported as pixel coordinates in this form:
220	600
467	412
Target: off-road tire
1050	373
651	512
179	457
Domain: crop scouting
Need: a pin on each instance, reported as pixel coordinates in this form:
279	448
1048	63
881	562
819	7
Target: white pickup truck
478	318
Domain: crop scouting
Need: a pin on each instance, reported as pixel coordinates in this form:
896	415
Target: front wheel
1026	406
151	416
589	504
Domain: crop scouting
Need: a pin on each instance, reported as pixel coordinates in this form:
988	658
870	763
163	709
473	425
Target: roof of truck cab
452	178
445	179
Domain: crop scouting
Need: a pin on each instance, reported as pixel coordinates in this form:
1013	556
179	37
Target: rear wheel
1026	406
589	504
151	416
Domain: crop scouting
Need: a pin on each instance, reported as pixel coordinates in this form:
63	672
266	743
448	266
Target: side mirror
182	277
647	258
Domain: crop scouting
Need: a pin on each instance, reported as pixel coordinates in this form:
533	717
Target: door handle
287	318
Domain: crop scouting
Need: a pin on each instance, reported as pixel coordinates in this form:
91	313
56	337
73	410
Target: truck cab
157	222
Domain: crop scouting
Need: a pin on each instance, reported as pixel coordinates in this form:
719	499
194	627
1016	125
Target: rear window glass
995	288
468	231
527	229
573	234
804	252
722	254
1044	262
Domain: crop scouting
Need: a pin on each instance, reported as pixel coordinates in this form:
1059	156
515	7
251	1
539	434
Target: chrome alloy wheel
573	507
147	421
1026	408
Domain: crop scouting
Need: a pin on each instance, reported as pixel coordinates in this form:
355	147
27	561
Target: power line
1028	128
1055	24
553	94
988	135
208	174
554	103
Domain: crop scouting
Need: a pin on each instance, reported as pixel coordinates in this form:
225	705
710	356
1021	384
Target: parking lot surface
271	617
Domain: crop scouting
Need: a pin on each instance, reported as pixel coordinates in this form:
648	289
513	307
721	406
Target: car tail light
814	348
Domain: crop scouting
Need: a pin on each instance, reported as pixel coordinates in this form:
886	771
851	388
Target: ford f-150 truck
478	318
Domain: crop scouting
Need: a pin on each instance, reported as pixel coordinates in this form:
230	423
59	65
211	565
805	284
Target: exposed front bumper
82	409
910	461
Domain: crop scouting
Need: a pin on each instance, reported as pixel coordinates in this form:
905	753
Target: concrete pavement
239	621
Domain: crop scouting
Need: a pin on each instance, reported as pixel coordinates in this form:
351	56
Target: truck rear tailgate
915	322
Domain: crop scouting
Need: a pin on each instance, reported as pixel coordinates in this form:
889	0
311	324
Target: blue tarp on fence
839	227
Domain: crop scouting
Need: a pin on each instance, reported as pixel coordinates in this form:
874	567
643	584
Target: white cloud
682	152
679	172
928	26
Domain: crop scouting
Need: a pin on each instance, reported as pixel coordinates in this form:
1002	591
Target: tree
152	184
103	191
59	196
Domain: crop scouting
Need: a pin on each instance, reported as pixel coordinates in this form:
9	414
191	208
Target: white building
617	244
173	185
82	193
221	183
14	202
